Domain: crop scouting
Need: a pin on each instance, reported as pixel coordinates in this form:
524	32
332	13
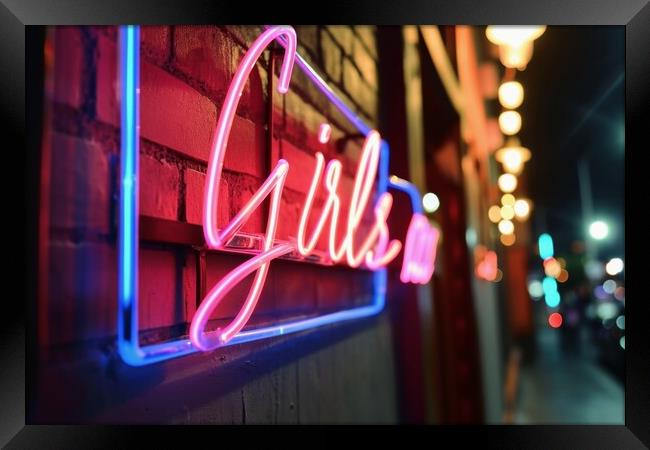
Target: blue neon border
128	342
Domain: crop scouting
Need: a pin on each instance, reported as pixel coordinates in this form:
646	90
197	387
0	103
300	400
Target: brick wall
185	72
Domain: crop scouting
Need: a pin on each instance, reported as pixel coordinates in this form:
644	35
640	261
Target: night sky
574	107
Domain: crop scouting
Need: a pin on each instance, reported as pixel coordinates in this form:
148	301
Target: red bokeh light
555	320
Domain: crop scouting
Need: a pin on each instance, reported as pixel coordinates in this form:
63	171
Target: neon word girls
374	251
371	249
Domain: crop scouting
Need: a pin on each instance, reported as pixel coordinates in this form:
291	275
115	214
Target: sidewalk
567	388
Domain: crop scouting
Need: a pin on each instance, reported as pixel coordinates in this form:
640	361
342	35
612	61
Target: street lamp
598	230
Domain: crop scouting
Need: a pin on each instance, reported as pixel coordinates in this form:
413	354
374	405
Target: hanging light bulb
522	208
512	156
507	182
515	43
510	122
511	94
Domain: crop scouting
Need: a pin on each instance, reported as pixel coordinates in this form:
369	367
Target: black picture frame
19	107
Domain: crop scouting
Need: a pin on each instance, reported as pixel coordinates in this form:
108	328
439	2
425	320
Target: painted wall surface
337	374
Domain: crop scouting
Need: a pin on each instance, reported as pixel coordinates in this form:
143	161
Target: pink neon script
375	250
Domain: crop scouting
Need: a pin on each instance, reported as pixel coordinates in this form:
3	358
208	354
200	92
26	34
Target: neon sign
372	252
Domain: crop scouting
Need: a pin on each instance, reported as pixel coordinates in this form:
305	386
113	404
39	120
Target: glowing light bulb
507	212
513	35
512	156
507	182
430	202
614	266
535	289
511	94
510	122
555	320
508	239
522	208
598	230
508	200
545	245
494	214
506	227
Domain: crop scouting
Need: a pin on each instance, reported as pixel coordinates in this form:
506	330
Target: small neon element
555	320
419	251
324	133
545	246
621	342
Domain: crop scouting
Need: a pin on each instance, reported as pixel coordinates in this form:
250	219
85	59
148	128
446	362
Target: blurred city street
567	387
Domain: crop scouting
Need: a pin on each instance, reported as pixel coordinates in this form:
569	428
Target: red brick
218	266
295	289
301	167
194	189
158	188
68	66
242	189
159	304
288	217
246	150
189	285
82	292
155	42
107	101
79	192
204	53
175	115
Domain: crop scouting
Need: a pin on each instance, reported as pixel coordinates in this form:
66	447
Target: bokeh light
614	266
511	94
506	227
598	230
507	182
545	246
522	208
508	200
431	202
510	122
609	286
494	214
535	289
507	212
555	320
508	239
